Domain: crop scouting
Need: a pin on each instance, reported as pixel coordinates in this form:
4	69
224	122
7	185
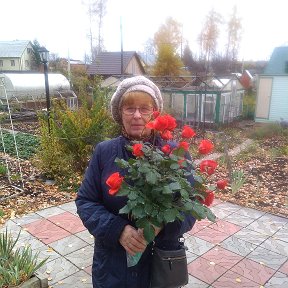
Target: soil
265	188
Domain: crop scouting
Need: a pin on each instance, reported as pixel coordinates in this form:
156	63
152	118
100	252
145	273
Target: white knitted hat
137	83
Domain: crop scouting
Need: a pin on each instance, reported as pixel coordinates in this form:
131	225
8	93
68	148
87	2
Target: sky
62	26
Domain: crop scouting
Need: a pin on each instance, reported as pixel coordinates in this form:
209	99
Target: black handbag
169	268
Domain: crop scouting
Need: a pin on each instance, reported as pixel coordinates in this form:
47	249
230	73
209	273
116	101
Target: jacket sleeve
176	229
105	226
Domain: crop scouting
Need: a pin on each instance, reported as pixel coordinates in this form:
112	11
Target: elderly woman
132	106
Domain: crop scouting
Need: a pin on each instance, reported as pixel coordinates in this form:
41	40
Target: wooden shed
272	88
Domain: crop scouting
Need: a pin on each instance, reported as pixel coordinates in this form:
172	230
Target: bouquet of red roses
161	191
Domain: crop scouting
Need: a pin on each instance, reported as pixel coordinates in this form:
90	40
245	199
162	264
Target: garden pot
36	281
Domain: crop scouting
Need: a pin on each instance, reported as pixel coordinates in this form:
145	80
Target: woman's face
136	110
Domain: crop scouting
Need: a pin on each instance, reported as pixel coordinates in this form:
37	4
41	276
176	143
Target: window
12	62
26	63
1	63
29	50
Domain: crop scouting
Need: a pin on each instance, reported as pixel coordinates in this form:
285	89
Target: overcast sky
63	25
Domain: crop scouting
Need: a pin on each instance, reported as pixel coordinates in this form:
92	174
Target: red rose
137	150
221	184
184	145
161	123
171	122
114	181
166	149
208	166
166	135
208	199
205	147
187	132
156	114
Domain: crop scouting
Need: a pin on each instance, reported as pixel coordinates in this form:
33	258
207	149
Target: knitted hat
137	83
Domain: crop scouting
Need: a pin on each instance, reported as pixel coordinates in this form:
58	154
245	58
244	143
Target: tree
36	60
234	29
169	33
168	63
96	10
209	36
167	40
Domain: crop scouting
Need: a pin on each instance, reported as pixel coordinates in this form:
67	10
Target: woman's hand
132	240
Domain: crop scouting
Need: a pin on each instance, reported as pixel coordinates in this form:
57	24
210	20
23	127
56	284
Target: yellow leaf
50	249
238	280
84	280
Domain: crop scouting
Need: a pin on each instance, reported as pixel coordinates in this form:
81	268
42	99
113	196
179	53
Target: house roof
109	63
277	62
12	48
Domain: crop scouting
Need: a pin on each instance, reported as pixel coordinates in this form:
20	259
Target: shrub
73	134
16	266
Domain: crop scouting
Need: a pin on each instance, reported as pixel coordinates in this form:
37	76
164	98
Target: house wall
22	63
272	99
133	67
279	99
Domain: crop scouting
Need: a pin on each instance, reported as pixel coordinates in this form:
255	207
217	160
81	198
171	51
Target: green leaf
167	190
148	208
124	210
141	223
170	215
175	186
138	211
122	163
174	166
133	195
149	233
151	177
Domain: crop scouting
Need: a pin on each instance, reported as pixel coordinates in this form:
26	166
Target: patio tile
68	244
199	225
190	256
282	234
12	228
80	279
86	236
225	227
267	258
68	221
253	271
211	235
197	245
279	280
82	258
249	212
277	246
251	236
29	241
46	251
239	219
220	214
278	220
49	212
195	283
57	270
231	279
284	268
222	257
238	246
88	270
203	270
28	218
70	207
229	206
46	231
264	227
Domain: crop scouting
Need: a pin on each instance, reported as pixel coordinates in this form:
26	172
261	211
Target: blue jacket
99	213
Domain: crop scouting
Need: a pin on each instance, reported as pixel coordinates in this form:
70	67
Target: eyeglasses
146	110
